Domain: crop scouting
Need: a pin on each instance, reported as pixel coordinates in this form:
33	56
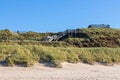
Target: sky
57	15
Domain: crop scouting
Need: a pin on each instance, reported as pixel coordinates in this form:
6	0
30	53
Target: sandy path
69	71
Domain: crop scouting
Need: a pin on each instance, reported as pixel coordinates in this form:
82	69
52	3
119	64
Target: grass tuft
28	55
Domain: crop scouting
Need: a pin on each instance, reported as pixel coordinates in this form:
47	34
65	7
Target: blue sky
57	15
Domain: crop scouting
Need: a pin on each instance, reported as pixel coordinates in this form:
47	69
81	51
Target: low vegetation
95	37
28	55
89	37
89	45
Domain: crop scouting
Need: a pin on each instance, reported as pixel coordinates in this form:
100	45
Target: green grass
89	37
28	55
95	37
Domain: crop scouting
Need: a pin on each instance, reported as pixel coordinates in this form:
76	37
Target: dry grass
28	55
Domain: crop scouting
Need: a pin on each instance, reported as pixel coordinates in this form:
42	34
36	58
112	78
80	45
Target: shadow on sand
47	64
3	63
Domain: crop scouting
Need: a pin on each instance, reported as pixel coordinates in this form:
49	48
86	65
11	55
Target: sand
69	71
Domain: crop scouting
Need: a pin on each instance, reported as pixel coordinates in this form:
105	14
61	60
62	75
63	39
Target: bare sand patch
69	71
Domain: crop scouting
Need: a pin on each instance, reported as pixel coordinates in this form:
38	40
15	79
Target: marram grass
28	55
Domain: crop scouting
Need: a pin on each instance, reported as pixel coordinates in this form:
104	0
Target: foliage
89	37
28	55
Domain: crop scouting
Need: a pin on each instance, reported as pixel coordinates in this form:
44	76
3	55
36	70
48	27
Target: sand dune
69	71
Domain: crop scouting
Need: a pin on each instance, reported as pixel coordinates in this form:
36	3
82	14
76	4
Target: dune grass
28	55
